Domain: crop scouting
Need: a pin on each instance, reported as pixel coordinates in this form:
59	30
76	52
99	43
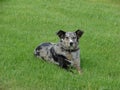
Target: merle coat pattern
64	53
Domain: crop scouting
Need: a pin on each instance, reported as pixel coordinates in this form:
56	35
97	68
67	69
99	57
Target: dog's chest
72	56
69	55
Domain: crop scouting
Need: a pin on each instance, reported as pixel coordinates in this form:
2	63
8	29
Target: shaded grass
25	24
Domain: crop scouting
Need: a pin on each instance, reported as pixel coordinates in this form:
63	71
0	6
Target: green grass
26	23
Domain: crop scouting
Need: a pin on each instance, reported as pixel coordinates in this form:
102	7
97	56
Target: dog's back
43	51
46	52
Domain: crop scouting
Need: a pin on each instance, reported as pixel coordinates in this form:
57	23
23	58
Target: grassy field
26	23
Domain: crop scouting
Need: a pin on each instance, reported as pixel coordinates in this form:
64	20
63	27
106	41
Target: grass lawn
26	23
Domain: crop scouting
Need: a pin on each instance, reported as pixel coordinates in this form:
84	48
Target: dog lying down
65	53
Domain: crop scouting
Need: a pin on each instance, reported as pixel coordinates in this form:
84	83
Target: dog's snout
71	43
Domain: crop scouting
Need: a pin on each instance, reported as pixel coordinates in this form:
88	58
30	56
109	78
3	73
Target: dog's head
69	40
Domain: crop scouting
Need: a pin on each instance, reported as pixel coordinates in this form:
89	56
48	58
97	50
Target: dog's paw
80	72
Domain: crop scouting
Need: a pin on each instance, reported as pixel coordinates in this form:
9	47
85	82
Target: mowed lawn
26	23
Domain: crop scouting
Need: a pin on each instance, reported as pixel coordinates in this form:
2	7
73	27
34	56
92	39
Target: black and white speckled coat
65	53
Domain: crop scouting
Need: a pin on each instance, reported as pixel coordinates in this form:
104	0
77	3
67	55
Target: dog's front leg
78	69
77	66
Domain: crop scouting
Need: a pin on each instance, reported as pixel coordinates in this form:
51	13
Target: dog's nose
71	43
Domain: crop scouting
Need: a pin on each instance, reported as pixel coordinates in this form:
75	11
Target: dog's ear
79	33
61	33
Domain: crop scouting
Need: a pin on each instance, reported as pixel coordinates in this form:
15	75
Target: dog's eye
73	37
67	37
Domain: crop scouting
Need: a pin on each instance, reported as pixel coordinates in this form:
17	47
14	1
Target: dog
65	53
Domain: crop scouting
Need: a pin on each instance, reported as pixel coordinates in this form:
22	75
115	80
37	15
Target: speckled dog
65	53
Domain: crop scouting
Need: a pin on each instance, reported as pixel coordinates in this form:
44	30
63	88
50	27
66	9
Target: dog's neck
70	50
67	50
